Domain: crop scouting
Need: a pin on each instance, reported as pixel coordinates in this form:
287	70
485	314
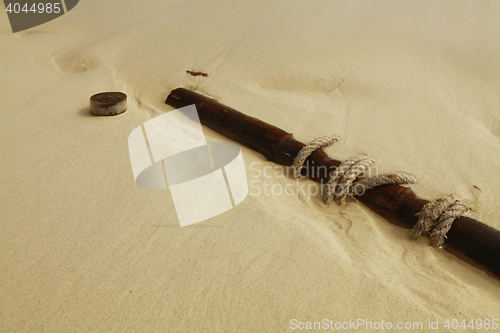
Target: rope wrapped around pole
437	217
468	239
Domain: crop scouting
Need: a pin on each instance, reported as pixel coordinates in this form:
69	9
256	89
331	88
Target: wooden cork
108	104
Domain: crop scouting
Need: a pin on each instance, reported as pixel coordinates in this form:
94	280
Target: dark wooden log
468	239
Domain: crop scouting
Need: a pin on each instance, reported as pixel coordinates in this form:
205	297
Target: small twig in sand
196	73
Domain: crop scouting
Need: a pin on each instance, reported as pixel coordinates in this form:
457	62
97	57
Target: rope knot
437	217
342	181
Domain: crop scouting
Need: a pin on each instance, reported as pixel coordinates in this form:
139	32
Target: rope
341	183
386	179
437	217
308	149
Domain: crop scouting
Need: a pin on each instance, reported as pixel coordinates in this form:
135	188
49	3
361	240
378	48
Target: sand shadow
85	112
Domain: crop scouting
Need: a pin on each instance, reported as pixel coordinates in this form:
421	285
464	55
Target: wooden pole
468	239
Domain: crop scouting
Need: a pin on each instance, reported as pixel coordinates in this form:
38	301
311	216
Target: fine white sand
415	85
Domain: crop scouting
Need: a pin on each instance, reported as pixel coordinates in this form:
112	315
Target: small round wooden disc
108	104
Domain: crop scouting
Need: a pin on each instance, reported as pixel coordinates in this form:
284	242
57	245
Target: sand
83	249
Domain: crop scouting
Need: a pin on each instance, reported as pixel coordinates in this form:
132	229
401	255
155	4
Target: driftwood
468	239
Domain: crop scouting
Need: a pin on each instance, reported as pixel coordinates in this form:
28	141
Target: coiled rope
437	217
321	142
341	182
